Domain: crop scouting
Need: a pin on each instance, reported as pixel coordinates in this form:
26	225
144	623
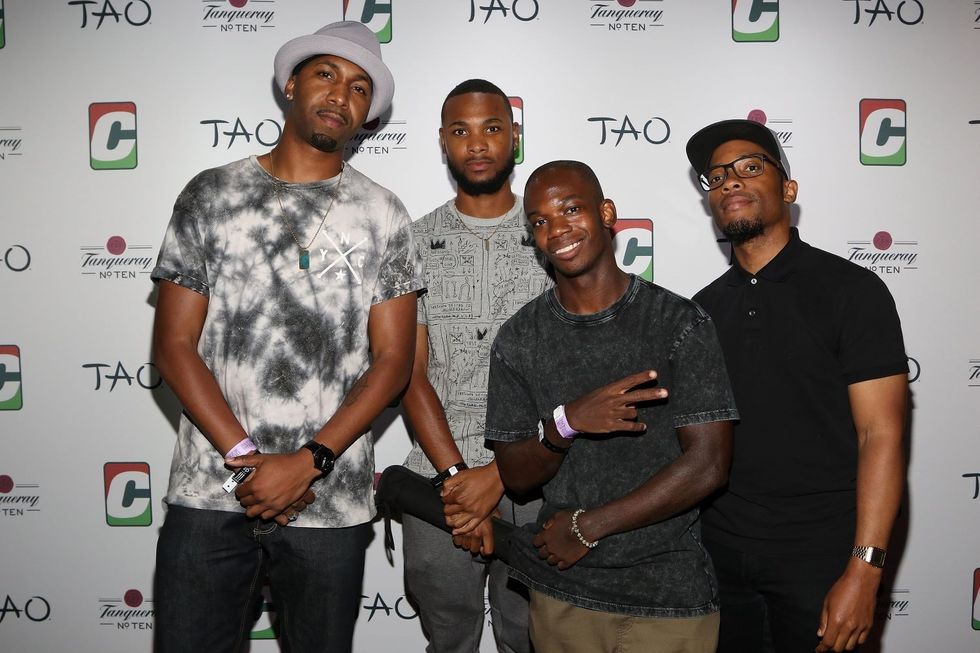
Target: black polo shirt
795	335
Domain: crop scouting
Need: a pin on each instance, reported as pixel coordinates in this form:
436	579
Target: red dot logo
133	598
116	245
238	3
627	3
882	240
757	115
6	484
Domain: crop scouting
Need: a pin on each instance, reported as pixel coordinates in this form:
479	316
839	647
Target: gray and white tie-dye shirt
285	344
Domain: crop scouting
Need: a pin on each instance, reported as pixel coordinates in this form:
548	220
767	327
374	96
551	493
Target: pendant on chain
304	259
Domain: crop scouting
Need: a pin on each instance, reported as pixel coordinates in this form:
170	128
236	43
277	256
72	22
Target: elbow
715	474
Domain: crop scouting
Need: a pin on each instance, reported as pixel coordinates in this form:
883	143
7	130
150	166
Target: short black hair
477	86
578	167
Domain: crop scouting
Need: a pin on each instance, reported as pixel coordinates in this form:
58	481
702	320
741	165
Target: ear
516	128
790	189
290	87
607	212
442	141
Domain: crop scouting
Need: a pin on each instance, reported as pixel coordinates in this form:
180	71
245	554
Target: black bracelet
548	444
449	472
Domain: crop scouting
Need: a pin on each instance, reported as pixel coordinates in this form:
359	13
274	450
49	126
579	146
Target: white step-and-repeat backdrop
109	107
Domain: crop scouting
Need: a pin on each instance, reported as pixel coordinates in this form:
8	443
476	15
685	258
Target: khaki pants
559	627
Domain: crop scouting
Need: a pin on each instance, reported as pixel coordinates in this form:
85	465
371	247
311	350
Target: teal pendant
304	259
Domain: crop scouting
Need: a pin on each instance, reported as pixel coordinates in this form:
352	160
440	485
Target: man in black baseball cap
814	349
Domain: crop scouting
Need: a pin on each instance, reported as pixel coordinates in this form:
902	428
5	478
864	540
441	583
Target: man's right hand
612	407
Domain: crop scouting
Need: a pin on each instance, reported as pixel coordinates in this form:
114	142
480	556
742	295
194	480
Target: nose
732	181
339	94
558	226
477	142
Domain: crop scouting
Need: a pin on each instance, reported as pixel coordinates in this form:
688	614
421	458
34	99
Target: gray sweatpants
448	585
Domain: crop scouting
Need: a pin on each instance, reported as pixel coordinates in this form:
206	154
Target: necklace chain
304	252
486	240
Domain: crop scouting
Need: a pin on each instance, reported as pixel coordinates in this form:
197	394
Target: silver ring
293	517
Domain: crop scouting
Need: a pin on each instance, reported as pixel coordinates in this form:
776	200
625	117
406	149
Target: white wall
61	562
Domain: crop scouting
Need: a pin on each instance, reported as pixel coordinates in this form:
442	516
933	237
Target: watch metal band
870	554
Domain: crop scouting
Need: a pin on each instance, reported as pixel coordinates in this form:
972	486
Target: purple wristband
561	423
240	449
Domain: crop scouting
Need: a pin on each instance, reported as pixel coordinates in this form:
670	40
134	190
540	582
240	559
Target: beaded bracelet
577	533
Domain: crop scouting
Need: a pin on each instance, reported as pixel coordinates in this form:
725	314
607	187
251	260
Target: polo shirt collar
778	269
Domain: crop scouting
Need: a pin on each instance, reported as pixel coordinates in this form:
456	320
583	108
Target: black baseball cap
703	144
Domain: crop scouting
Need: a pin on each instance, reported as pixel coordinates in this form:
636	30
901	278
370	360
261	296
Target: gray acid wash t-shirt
477	273
545	356
285	344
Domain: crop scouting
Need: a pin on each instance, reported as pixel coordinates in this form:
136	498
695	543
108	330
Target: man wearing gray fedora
277	275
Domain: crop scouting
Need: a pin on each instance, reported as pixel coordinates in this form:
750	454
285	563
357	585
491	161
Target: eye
573	210
752	166
459	131
539	222
493	130
326	73
358	88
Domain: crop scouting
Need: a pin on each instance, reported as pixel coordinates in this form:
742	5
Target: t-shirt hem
181	279
706	417
615	608
203	505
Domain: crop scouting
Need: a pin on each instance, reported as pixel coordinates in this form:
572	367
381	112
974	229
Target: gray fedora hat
348	40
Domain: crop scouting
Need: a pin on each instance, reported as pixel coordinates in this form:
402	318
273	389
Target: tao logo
140	12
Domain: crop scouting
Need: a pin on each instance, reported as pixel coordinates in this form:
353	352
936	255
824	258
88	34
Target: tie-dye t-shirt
285	344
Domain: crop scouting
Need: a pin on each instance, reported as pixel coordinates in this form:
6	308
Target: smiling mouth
568	248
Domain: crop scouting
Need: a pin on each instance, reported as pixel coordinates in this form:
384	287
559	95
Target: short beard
324	143
742	231
487	187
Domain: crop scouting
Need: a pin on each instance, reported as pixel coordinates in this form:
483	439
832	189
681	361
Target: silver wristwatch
870	554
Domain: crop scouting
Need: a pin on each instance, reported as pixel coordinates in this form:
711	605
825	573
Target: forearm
369	396
525	465
196	388
672	490
428	420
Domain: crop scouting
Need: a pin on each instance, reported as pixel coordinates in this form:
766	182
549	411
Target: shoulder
670	305
522	326
708	295
833	273
235	174
361	189
428	223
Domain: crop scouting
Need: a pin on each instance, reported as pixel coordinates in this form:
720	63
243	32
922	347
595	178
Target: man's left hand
848	608
279	480
557	544
470	496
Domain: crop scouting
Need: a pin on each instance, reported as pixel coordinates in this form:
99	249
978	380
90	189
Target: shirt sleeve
183	257
511	413
400	271
701	391
870	342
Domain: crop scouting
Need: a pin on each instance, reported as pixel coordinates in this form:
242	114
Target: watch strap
449	472
870	554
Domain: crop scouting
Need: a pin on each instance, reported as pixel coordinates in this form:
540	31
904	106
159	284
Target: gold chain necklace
486	241
304	252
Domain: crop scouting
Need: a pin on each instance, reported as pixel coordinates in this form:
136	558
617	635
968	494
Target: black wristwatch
323	457
451	471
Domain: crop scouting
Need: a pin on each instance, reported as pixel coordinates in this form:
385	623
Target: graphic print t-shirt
285	344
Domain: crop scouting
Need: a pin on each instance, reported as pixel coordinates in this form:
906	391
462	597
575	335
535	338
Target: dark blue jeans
210	567
769	602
